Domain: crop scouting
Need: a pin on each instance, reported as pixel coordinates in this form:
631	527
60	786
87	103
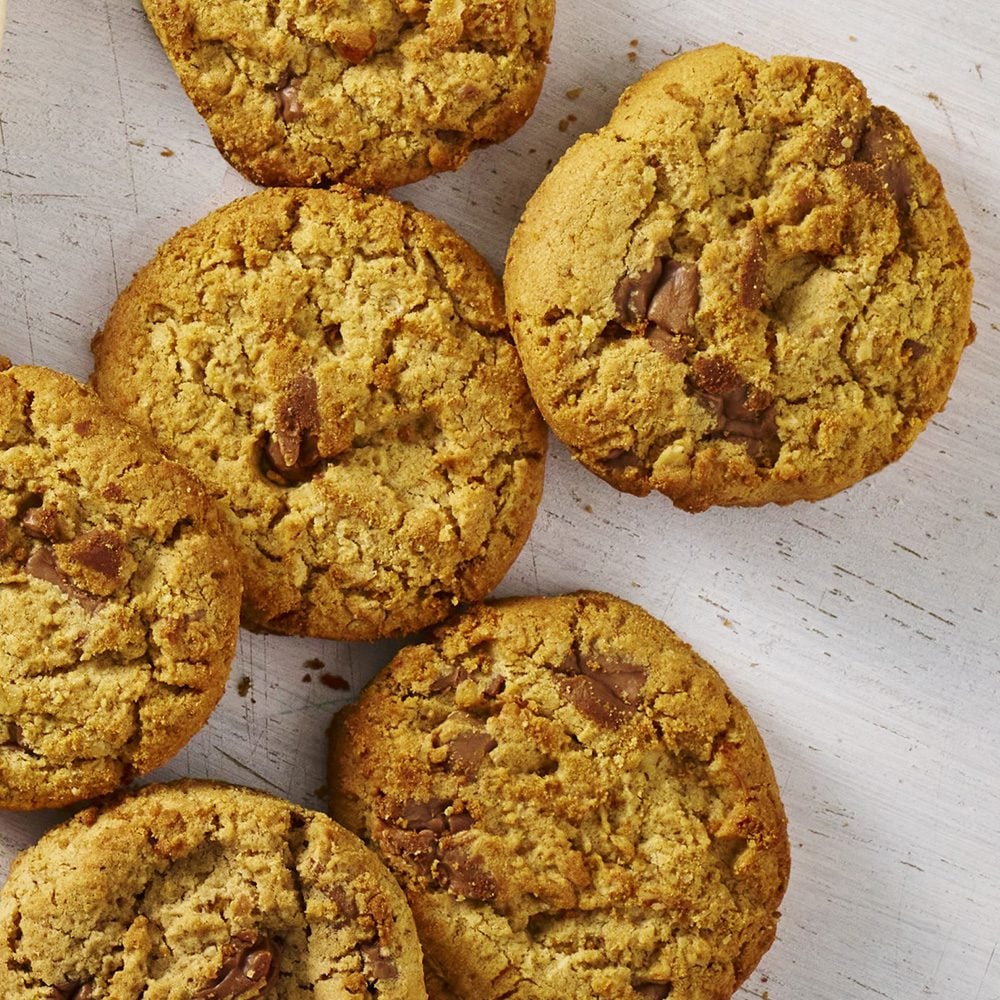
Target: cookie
574	803
203	891
303	92
119	596
336	367
748	287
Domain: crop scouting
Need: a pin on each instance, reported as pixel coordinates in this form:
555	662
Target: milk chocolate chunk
42	523
665	297
882	148
654	991
746	417
249	968
42	565
468	750
289	105
466	875
603	688
377	965
915	348
676	299
74	991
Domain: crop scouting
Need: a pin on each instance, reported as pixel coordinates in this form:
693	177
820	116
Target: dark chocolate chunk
249	968
915	349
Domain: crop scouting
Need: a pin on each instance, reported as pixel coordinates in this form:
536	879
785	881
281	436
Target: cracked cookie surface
336	367
574	803
747	288
377	94
119	596
203	891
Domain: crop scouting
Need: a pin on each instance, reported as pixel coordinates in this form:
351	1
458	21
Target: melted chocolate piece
42	565
291	455
882	147
249	968
654	991
660	303
468	750
377	965
603	688
42	523
737	420
751	275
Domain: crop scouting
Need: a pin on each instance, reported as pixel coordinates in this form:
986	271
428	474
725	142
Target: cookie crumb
166	152
632	57
314	664
574	93
307	679
634	43
243	688
335	681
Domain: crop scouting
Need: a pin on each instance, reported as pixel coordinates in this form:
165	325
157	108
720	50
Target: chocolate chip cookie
337	368
747	288
202	891
312	92
119	596
574	803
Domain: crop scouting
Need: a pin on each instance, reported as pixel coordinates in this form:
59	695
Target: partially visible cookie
574	803
203	891
378	94
336	367
747	288
119	596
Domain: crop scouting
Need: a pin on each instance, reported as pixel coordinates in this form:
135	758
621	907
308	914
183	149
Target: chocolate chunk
429	815
356	46
100	551
673	346
449	681
42	565
15	736
632	295
345	904
459	822
746	417
882	146
289	105
291	455
43	523
602	687
665	297
466	875
676	299
653	991
377	965
74	991
249	967
751	275
621	458
495	686
468	750
915	349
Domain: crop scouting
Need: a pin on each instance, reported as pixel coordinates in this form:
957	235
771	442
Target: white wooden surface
862	632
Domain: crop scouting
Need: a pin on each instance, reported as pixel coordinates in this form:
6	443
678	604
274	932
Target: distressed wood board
861	632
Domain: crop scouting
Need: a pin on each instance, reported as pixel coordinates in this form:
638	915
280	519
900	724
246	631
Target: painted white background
862	632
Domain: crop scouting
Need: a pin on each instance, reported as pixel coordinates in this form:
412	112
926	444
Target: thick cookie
119	597
574	803
203	891
337	368
313	92
747	288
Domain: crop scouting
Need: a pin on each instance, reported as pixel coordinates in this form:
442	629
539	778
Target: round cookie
203	891
747	288
119	597
574	803
336	367
377	94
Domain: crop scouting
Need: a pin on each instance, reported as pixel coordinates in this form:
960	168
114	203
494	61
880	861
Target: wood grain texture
862	632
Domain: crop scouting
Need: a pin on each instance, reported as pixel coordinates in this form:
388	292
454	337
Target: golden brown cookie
204	891
574	803
119	597
747	288
336	367
378	94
